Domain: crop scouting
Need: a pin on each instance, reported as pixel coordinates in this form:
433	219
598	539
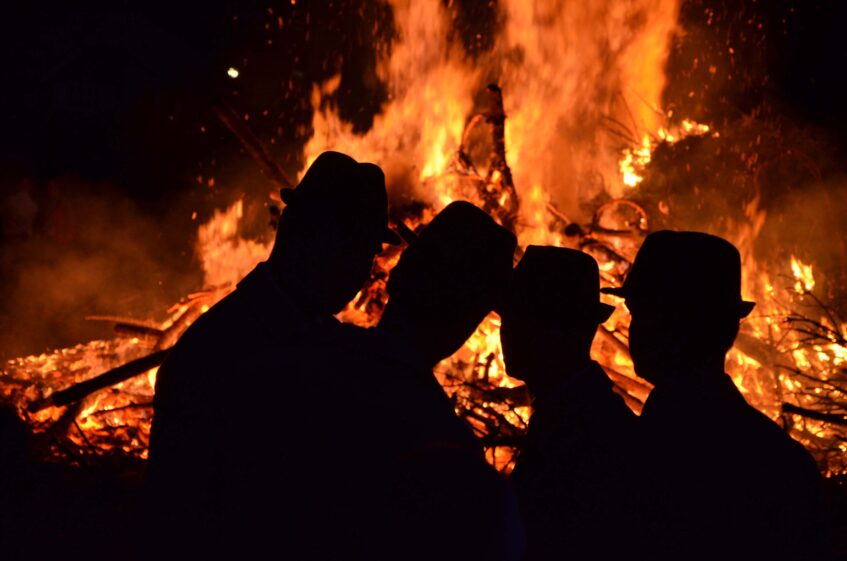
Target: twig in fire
811	369
167	338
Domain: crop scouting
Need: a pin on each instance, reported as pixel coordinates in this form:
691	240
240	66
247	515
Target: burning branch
496	117
105	380
816	415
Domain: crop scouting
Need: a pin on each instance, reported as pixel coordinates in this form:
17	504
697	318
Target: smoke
93	252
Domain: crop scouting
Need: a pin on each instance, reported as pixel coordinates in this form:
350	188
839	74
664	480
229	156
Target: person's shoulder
323	346
206	346
781	447
358	345
600	396
218	323
330	339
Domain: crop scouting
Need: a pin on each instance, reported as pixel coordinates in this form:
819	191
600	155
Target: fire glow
576	130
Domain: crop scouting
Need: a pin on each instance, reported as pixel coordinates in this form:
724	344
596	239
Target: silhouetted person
445	502
333	225
392	471
569	474
17	513
722	481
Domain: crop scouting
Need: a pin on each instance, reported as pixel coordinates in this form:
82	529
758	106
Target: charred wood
496	117
754	348
609	337
518	396
130	327
105	380
832	418
178	327
635	387
633	403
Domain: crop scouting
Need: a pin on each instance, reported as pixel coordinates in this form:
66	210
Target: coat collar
691	393
398	350
591	380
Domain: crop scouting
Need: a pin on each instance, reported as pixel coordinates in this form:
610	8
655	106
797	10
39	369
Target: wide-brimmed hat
554	286
461	255
688	271
338	188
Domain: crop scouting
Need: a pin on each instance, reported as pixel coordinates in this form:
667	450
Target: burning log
816	415
127	327
194	310
638	389
407	234
754	348
633	403
105	380
133	330
165	341
497	188
497	118
609	337
517	396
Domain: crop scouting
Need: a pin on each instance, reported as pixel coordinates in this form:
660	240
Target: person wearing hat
720	479
333	225
569	473
404	476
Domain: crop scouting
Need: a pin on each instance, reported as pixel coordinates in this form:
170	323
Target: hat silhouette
348	194
461	256
689	271
555	285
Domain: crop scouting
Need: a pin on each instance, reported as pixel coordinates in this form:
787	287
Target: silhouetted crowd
280	432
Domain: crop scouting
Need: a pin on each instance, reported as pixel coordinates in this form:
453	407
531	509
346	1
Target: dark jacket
571	472
387	468
203	407
722	481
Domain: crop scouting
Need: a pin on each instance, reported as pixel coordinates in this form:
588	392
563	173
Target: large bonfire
564	151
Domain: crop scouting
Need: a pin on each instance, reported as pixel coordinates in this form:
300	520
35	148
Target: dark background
107	115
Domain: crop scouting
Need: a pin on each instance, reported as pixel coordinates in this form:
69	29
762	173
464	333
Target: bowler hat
351	194
555	285
461	256
689	271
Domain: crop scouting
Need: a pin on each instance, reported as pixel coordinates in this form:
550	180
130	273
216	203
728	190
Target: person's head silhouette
550	316
684	293
332	226
448	279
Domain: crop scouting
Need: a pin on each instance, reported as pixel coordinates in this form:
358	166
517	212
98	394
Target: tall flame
569	70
